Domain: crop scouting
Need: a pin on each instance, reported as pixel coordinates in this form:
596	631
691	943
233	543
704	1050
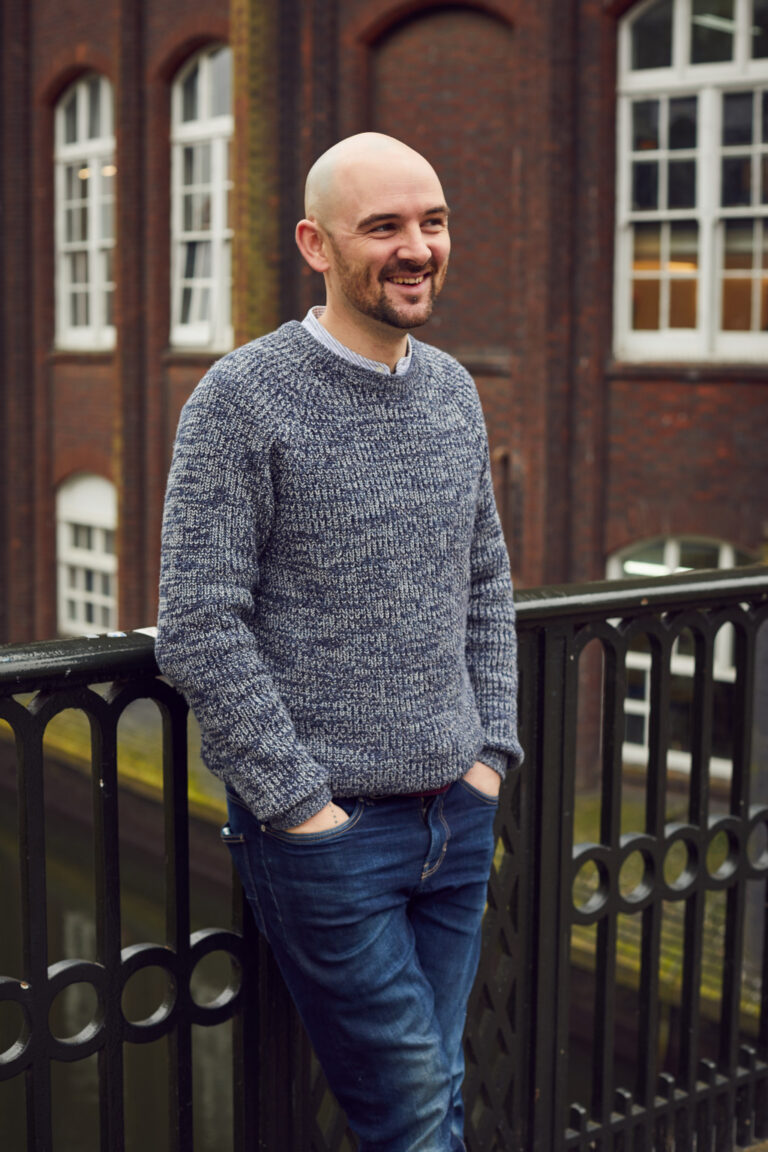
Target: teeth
403	280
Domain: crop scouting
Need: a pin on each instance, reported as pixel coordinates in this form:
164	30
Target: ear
311	244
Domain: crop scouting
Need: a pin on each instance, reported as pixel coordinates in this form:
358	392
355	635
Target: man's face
388	244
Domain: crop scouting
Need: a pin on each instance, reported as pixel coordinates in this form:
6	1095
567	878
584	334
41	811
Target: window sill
719	371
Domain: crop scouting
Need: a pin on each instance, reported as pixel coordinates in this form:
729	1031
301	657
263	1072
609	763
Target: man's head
376	226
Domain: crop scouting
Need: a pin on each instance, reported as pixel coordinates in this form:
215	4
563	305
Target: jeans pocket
484	797
327	834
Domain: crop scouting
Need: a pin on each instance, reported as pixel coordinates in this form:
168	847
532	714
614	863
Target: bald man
336	606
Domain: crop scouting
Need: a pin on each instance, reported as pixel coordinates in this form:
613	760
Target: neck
374	340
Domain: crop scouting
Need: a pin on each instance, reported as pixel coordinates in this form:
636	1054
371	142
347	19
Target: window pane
94	107
652	37
645	185
712	28
737	304
78	267
645	125
188	165
681	191
764	304
186	305
765	115
646	247
684	258
636	684
682	122
203	304
634	729
737	181
737	118
189	95
683	246
221	82
682	303
187	208
70	119
722	719
204	162
81	536
645	305
190	259
680	693
646	560
739	238
760	30
109	541
699	554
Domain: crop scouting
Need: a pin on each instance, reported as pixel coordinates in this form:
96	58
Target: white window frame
92	159
620	566
708	82
214	331
86	523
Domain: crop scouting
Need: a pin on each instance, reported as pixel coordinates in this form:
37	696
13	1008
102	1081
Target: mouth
409	281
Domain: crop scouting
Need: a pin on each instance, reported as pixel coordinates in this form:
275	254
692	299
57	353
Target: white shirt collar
312	323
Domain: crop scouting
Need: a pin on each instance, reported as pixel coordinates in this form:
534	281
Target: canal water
71	934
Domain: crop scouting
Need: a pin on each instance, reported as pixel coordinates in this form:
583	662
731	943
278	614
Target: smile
406	279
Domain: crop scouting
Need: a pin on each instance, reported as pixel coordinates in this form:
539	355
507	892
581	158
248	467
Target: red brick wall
687	459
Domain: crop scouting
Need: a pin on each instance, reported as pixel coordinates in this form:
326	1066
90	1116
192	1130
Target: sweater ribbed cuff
494	758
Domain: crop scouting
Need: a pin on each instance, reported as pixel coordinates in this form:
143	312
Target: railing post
552	675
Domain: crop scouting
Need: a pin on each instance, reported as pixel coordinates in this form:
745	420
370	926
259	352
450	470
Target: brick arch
194	34
68	66
378	17
441	80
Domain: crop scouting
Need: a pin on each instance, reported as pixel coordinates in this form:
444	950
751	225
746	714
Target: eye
436	222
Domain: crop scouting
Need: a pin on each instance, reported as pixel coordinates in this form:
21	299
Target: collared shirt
312	323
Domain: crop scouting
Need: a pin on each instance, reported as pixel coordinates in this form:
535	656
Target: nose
413	247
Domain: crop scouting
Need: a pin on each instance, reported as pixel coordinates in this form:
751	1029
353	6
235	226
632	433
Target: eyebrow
382	217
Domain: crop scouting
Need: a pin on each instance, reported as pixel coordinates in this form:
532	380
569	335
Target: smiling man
337	608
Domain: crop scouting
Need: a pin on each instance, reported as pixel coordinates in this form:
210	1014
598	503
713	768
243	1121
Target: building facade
607	169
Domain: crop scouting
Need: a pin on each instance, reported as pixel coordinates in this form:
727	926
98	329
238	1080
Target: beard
369	295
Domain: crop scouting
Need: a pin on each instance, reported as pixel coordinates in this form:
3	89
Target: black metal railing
622	1000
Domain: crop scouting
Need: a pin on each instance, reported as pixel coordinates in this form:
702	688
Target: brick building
607	168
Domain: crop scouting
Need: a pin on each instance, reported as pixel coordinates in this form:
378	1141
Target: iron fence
621	1002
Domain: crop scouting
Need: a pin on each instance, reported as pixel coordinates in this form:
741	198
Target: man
336	606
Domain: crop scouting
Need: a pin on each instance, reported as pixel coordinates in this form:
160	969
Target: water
72	934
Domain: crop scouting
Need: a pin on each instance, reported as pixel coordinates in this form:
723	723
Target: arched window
201	232
86	519
692	181
85	218
663	557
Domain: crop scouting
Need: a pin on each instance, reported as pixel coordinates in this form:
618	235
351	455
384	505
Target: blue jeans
376	926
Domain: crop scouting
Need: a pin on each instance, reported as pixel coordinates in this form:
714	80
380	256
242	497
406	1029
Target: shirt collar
312	323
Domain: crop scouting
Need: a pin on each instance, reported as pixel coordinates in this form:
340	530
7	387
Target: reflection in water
72	934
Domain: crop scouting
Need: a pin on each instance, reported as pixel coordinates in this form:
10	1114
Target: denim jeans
376	926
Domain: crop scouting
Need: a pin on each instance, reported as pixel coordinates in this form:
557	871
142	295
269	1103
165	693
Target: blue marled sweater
335	598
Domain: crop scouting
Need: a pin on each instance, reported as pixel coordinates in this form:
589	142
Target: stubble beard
358	287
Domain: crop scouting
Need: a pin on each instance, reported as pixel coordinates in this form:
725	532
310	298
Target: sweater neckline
381	385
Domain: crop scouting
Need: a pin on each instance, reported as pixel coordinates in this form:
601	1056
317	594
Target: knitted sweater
335	599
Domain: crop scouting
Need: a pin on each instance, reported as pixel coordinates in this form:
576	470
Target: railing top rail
77	660
91	659
607	598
